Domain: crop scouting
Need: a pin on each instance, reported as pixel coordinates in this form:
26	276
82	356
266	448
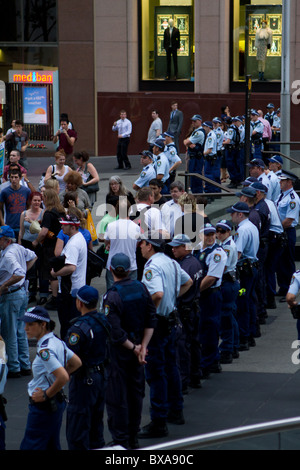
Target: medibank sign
30	76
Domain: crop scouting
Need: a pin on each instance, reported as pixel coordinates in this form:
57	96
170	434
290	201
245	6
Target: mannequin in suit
171	44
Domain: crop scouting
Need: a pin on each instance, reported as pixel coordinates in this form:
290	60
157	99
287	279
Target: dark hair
120	273
174	102
50	326
70	196
19	122
82	155
157	249
15	171
156	182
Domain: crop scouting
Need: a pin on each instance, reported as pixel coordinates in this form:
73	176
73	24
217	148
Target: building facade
107	56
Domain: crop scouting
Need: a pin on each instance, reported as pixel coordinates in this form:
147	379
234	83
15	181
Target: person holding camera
67	138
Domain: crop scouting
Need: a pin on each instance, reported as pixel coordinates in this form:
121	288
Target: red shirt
64	144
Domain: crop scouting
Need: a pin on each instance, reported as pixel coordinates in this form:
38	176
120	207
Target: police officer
291	298
275	165
131	313
232	154
246	238
53	364
161	164
239	122
256	130
213	260
288	205
195	148
264	212
270	113
3	376
189	348
87	337
212	163
229	331
148	172
173	157
257	170
276	129
247	195
166	281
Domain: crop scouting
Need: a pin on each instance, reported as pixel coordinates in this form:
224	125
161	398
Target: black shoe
244	346
118	443
235	354
31	299
196	383
282	300
153	430
13	375
271	304
175	417
226	357
26	372
133	443
280	293
127	168
252	342
119	168
215	368
51	304
42	300
232	186
184	389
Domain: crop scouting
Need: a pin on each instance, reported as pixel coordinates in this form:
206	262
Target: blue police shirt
295	284
215	261
148	173
220	138
288	205
230	249
257	127
275	222
274	186
161	274
171	154
197	136
247	240
52	353
162	166
211	144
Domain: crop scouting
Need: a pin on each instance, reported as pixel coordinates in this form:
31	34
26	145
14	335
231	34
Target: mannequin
263	41
171	44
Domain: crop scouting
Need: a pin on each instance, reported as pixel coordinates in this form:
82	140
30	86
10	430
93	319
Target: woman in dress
59	170
89	174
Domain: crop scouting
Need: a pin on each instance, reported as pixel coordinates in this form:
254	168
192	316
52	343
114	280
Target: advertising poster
35	105
2	158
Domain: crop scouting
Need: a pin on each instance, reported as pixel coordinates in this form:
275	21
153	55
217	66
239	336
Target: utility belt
50	405
196	156
245	267
280	238
296	312
3	402
166	324
85	373
207	292
230	276
186	310
264	242
231	147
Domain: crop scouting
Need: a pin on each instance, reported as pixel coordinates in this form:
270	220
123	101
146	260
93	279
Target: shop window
257	40
155	16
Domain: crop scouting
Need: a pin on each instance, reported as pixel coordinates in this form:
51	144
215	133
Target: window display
167	51
257	40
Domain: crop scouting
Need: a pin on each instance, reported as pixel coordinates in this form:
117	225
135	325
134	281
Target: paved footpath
262	385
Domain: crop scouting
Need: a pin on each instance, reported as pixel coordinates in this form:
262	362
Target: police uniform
213	261
45	418
129	309
246	238
241	128
161	274
294	290
276	133
256	139
147	174
189	348
274	186
171	153
196	156
3	376
270	114
87	337
162	167
288	205
232	154
229	330
212	163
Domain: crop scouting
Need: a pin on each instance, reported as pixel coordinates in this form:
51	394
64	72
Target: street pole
285	107
247	122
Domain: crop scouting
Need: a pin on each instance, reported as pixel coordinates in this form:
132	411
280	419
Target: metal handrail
207	180
282	155
229	435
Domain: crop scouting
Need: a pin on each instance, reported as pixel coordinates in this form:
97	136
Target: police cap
147	153
257	162
160	143
239	207
196	117
276	159
247	191
120	260
208	124
86	294
259	187
224	224
287	175
208	228
179	240
35	314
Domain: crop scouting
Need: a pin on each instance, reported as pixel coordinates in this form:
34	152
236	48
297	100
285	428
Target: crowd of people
183	296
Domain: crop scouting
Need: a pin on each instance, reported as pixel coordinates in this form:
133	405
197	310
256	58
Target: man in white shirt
122	236
73	273
124	128
171	210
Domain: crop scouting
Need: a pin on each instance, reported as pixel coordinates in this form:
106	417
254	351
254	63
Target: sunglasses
221	231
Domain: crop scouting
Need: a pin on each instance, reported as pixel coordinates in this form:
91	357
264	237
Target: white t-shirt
75	252
123	235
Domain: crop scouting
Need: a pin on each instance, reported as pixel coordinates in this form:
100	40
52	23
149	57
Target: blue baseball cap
35	314
120	260
86	294
160	143
217	119
7	231
224	224
196	117
247	191
270	105
249	180
276	159
257	162
147	153
239	207
208	124
179	240
208	228
168	134
259	187
254	112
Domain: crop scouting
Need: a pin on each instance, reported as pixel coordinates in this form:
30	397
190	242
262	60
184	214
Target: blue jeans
13	307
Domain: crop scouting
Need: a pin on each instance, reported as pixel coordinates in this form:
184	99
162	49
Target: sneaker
13	375
51	304
153	430
175	417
